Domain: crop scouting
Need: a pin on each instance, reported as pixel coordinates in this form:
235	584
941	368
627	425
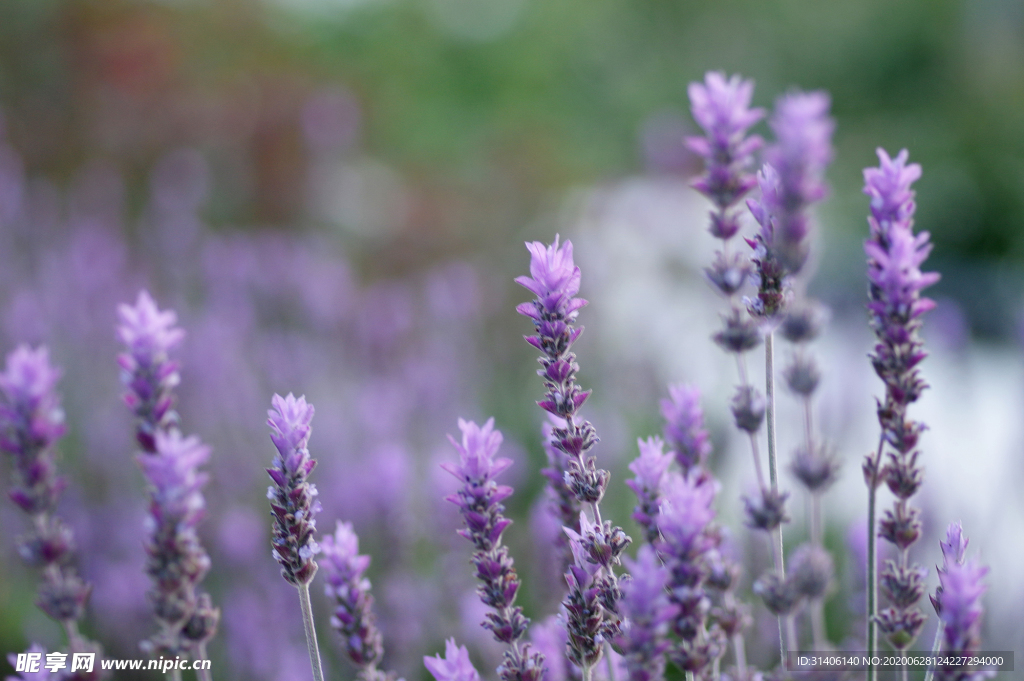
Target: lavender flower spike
294	506
454	667
647	609
684	426
148	372
479	500
31	421
722	109
353	617
649	468
292	498
176	560
960	605
790	181
895	304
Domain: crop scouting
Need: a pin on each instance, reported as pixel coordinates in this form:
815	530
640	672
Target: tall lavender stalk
721	108
294	506
813	465
176	561
479	500
555	280
895	306
353	617
31	421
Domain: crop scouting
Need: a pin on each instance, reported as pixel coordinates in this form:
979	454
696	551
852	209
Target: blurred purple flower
684	426
722	108
148	372
649	468
647	609
454	667
353	616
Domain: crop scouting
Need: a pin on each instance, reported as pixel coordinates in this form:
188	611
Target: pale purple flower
722	109
791	180
684	426
650	468
960	606
554	280
31	421
353	617
148	373
689	536
477	452
177	562
645	604
954	550
888	185
479	500
173	475
292	497
455	666
895	255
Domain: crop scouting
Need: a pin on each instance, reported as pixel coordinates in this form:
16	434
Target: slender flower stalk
176	560
31	422
294	506
555	280
722	110
895	306
479	500
353	617
813	465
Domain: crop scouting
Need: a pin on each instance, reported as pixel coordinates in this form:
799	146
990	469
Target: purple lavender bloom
892	199
953	551
147	370
177	562
31	420
292	498
895	304
555	280
722	109
684	426
479	500
960	605
454	667
353	616
689	537
647	609
790	181
649	468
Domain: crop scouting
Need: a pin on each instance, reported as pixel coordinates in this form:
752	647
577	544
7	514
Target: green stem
872	585
201	673
307	621
773	469
936	647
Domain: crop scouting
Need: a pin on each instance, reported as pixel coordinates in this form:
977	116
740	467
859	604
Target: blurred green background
489	110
